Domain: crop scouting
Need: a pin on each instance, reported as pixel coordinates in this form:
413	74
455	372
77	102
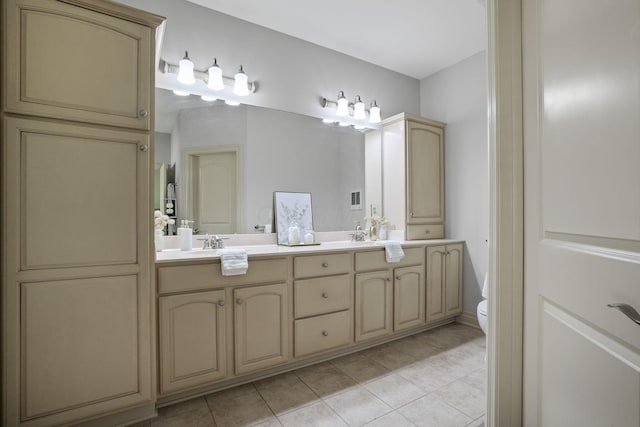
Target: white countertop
265	250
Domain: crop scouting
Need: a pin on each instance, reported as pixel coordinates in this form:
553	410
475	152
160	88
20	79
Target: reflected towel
393	251
233	261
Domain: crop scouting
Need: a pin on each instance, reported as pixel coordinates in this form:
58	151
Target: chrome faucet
212	242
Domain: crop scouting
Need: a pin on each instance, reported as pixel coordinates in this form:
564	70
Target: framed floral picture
292	210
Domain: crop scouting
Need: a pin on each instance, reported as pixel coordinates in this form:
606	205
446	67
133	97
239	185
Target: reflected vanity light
329	121
181	93
231	102
213	77
208	98
356	110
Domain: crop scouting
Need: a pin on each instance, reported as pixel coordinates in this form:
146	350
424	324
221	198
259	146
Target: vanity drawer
376	260
428	231
321	333
322	295
208	276
321	265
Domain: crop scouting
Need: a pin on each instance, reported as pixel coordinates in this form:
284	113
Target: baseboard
469	319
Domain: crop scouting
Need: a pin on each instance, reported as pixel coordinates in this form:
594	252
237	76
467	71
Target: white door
215	192
582	212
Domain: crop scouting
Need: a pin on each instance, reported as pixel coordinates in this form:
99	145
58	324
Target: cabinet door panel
80	190
374	304
409	297
103	81
453	280
435	282
79	343
192	340
425	201
261	327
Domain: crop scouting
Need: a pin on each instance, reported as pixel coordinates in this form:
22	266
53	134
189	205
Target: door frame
506	194
187	171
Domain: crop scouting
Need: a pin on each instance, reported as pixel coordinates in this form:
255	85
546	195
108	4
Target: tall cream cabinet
77	86
444	281
413	175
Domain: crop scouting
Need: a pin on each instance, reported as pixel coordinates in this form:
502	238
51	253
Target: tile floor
435	378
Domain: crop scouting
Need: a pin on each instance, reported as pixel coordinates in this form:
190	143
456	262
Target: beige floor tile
478	379
196	417
390	357
429	411
286	397
425	376
395	390
183	407
281	380
317	415
232	393
416	346
362	369
358	406
392	419
245	409
326	381
477	423
464	397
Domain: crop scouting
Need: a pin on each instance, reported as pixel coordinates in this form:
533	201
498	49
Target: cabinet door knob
143	147
143	113
398	278
239	301
325	333
427	231
325	264
388	279
325	295
221	303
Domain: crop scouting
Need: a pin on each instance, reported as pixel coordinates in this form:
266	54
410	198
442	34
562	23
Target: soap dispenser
185	235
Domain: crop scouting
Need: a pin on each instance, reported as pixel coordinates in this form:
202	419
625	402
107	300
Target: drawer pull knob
325	333
427	231
239	301
143	113
325	295
398	278
325	264
221	303
388	279
143	147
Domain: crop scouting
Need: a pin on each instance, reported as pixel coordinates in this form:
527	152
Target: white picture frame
289	207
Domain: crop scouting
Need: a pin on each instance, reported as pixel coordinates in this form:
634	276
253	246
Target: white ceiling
413	37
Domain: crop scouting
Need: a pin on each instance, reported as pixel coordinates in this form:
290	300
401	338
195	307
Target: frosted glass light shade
185	72
374	113
215	77
358	109
241	86
181	92
231	102
208	98
343	105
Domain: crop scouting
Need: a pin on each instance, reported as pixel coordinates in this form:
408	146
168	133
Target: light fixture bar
168	68
327	103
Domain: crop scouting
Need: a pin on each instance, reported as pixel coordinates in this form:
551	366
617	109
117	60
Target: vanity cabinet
76	285
444	281
413	175
261	331
323	303
74	63
193	336
388	299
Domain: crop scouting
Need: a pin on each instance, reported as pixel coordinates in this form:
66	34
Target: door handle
627	310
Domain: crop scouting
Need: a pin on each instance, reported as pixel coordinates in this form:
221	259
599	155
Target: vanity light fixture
181	93
329	121
343	105
208	98
215	76
185	71
344	124
232	103
356	110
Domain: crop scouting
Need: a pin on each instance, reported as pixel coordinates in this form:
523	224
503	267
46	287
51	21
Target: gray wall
458	96
281	151
162	146
292	74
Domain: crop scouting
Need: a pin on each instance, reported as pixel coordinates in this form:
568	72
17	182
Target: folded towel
393	251
233	261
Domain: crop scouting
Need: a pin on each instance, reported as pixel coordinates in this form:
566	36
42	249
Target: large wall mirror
229	160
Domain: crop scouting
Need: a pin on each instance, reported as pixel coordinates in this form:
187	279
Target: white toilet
482	306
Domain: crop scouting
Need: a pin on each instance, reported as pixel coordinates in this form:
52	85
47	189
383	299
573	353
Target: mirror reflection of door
214	188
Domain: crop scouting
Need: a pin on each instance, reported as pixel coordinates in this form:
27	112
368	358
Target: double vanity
295	306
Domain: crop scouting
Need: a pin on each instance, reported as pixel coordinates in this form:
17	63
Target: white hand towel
393	251
233	261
